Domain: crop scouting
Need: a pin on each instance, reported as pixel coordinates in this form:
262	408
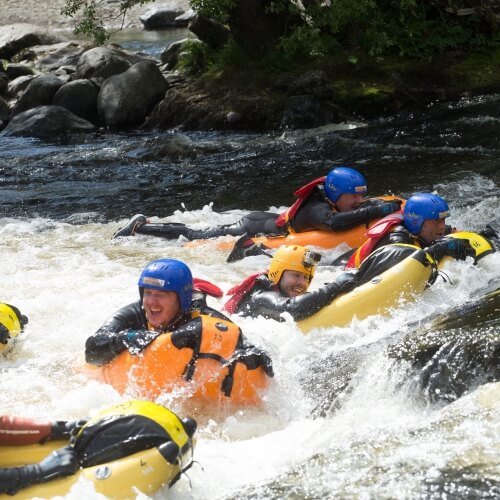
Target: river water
61	203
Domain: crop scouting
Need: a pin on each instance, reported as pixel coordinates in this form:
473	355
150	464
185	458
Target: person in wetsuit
421	226
168	303
283	288
118	431
332	203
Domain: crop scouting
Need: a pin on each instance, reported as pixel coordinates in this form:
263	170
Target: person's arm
113	337
271	304
318	214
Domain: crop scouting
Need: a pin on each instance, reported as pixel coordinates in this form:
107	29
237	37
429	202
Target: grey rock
126	99
47	122
16	37
161	16
79	97
39	92
14	70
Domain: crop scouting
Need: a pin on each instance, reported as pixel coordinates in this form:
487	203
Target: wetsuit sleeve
318	214
271	304
111	338
381	260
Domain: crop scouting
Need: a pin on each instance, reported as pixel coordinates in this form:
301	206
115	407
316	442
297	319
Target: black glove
136	341
488	232
389	207
4	334
253	357
453	247
385	208
346	282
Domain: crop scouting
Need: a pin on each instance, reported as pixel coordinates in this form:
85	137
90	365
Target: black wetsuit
128	329
317	212
388	253
251	224
265	299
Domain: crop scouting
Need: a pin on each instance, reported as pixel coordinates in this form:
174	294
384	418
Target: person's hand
488	232
389	207
346	282
136	341
4	334
457	248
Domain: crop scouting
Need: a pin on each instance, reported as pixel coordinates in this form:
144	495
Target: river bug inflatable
319	238
12	323
212	369
135	446
405	281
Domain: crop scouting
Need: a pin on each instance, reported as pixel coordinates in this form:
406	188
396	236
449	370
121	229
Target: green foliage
214	9
92	23
194	57
414	28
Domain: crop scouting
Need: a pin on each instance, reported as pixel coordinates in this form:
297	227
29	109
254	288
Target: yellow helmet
12	319
293	258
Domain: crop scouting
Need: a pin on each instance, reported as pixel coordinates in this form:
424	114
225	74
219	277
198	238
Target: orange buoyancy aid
302	194
213	367
238	292
374	234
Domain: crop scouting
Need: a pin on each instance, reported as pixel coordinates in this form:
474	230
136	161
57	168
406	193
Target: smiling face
161	308
293	283
348	201
432	229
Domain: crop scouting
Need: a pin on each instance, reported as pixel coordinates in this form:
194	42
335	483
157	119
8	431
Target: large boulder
126	99
52	57
47	122
170	55
456	353
15	70
103	62
16	37
79	97
214	34
161	16
19	84
39	92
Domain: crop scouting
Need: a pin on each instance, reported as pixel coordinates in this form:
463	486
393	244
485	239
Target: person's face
293	283
432	229
348	201
160	307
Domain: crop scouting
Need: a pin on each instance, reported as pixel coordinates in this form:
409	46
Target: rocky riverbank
40	64
47	13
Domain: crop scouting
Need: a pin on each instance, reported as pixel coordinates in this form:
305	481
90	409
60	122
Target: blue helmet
169	275
421	207
343	180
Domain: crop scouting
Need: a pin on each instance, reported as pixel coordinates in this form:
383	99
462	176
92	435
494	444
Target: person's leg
252	224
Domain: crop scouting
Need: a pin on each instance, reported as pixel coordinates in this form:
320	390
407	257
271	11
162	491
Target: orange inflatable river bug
213	370
353	237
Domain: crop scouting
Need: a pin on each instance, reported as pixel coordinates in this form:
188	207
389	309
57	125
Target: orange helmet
293	258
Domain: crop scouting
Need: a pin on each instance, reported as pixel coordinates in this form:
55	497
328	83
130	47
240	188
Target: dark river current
341	420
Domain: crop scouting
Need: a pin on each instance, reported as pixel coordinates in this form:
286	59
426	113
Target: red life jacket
375	233
21	431
238	292
302	194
